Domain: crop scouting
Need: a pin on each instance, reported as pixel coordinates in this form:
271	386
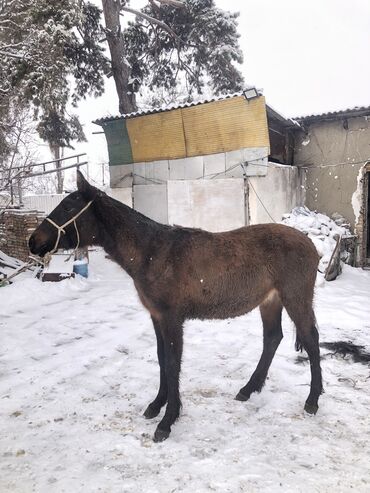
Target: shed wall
331	186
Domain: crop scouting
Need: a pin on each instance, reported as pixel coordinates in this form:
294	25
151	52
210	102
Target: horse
184	273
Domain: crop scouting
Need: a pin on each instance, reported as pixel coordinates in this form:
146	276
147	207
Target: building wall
213	205
279	192
222	204
336	188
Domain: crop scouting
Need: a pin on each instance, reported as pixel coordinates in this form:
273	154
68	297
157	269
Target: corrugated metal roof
333	115
272	113
275	115
151	111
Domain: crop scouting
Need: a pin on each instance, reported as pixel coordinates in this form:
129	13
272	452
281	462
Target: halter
61	228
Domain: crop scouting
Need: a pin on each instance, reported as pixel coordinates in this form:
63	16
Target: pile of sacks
322	231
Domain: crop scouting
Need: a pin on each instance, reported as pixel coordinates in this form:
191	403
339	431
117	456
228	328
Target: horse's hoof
160	435
151	412
241	397
311	408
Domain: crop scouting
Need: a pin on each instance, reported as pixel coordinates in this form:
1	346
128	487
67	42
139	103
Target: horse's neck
127	234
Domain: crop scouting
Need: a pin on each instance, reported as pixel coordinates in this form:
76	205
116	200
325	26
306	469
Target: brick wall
16	226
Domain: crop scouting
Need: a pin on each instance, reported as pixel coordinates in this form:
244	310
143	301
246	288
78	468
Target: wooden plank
8	261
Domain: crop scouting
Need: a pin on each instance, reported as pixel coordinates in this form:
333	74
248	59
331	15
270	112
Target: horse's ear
84	187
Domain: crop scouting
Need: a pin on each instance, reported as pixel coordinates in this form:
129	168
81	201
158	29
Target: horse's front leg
172	335
154	407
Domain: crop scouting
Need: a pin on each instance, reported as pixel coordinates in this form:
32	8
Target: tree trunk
60	179
120	67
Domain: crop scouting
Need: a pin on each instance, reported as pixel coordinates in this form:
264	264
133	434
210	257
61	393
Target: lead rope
62	230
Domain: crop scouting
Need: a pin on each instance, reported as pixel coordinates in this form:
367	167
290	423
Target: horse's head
72	223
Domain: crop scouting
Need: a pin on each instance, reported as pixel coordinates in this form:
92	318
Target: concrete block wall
214	166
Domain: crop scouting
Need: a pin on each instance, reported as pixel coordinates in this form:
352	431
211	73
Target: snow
60	264
78	367
322	230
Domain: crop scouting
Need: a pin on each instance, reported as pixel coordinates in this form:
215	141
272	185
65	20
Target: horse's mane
117	213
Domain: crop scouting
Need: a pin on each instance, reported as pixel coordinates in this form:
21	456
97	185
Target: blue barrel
81	268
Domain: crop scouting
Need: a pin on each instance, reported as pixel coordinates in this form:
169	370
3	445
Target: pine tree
51	56
172	44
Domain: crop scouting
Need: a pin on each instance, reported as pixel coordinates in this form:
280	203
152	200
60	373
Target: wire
313	166
258	197
158	181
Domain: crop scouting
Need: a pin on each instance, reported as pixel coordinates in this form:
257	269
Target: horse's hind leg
303	317
272	334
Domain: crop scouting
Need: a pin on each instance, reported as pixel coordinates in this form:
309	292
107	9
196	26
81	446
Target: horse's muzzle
38	247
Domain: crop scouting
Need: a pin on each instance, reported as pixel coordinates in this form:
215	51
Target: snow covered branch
11	54
153	20
173	3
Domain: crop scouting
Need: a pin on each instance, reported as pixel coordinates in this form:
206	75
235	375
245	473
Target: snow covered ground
78	366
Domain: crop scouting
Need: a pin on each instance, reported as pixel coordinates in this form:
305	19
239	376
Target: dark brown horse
183	273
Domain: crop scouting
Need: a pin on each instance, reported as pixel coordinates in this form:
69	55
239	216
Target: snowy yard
78	367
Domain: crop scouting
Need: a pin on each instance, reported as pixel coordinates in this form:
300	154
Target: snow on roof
288	122
334	115
168	108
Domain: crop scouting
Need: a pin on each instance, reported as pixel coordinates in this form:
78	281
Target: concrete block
255	159
190	168
121	176
124	195
194	168
180	205
157	171
139	173
177	169
214	164
214	205
234	160
151	200
258	167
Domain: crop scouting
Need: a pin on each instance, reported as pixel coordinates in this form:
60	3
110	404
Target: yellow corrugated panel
226	125
156	137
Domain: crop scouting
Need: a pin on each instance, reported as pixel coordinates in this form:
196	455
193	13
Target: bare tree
20	141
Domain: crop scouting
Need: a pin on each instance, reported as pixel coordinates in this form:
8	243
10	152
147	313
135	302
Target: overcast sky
308	56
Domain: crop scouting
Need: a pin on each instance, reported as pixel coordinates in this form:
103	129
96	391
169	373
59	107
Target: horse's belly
222	310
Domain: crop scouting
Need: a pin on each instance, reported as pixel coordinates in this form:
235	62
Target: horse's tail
298	343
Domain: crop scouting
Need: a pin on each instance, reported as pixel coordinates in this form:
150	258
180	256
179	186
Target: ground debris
347	348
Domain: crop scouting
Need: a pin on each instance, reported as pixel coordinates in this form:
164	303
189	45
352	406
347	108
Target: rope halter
62	230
